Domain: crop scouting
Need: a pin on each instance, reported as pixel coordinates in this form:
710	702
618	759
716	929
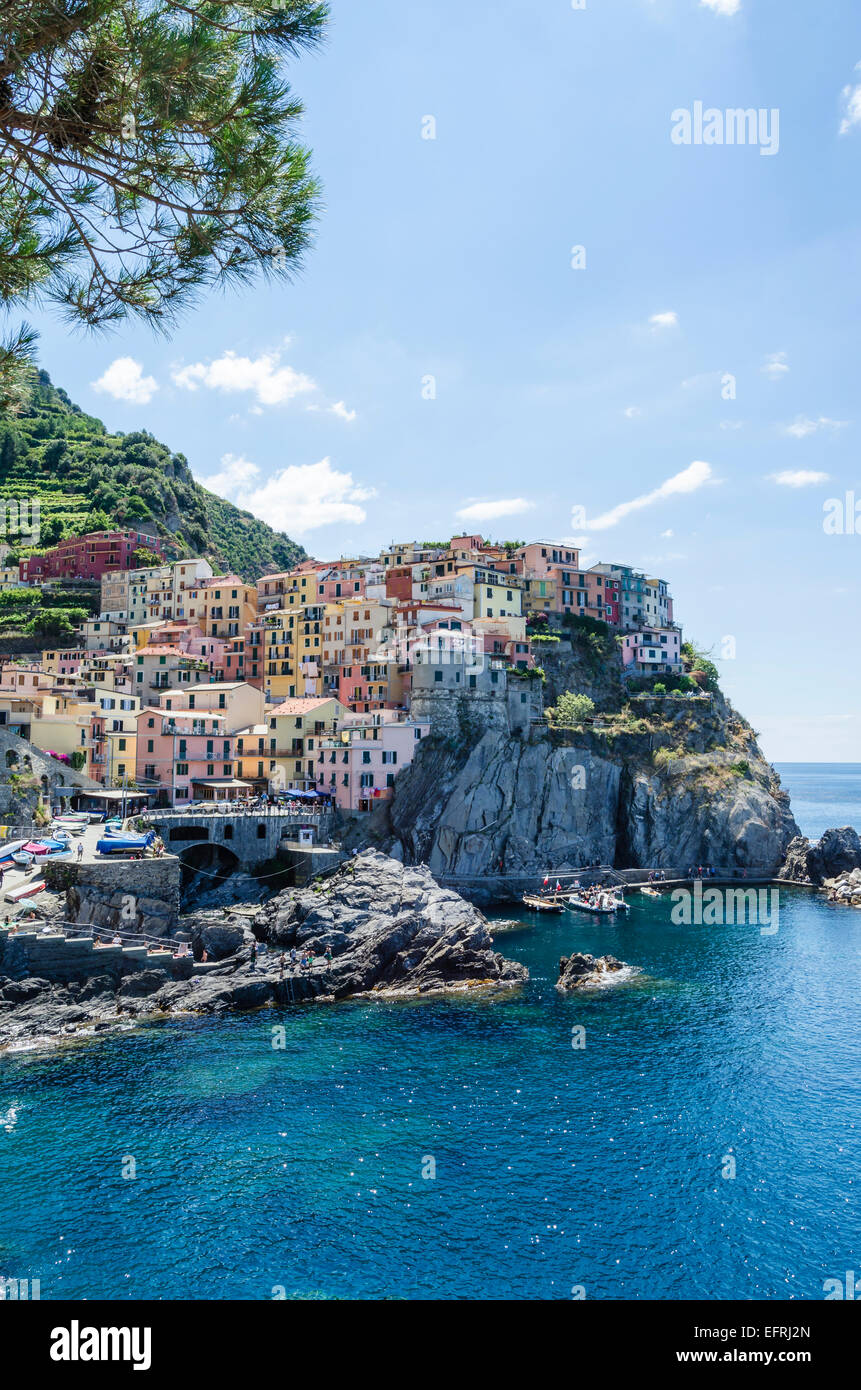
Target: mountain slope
87	479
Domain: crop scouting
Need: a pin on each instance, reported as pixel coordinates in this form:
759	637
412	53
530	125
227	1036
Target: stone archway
204	866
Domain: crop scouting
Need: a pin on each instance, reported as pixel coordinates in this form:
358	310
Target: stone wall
463	715
137	895
62	958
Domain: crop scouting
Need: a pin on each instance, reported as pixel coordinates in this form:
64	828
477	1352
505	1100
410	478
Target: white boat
10	849
614	905
537	903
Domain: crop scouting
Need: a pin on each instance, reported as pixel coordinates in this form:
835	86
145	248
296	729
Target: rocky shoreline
375	929
835	853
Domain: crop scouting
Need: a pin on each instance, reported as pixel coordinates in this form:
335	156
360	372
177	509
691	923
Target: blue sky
559	388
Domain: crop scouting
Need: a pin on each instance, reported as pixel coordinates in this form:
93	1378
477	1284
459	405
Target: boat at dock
650	892
538	904
598	910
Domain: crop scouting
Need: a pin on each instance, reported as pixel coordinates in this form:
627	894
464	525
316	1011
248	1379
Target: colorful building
88	557
358	764
652	651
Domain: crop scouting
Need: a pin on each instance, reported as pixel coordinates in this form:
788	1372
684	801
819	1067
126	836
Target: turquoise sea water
302	1169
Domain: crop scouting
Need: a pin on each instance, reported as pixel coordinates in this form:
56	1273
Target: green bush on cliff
571	708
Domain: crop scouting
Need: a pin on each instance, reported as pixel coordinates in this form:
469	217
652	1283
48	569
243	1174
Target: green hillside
87	480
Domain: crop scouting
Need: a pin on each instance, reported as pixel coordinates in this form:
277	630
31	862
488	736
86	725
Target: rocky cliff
390	929
665	783
374	928
837	852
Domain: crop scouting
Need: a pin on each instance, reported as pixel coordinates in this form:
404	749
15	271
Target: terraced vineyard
87	479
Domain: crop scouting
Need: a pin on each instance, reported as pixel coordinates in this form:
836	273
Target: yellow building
539	595
495	595
226	607
289	589
295	729
254	760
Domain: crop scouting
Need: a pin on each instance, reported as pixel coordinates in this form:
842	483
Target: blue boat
125	844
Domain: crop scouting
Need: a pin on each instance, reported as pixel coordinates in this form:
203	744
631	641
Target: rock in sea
580	971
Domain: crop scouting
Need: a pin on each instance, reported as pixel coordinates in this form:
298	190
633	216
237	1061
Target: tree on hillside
147	151
571	708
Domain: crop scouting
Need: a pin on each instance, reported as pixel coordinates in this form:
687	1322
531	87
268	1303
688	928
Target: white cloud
235	473
798	477
695	476
340	409
802	426
851	97
270	383
732	424
631	412
125	381
298	499
666	535
776	366
669	319
728	7
491	511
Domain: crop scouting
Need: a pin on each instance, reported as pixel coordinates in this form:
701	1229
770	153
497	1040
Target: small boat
125	844
23	858
614	905
650	892
10	849
25	890
539	904
62	835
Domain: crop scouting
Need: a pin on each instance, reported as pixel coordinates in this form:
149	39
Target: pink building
184	756
652	651
341	582
358	764
186	746
542	559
